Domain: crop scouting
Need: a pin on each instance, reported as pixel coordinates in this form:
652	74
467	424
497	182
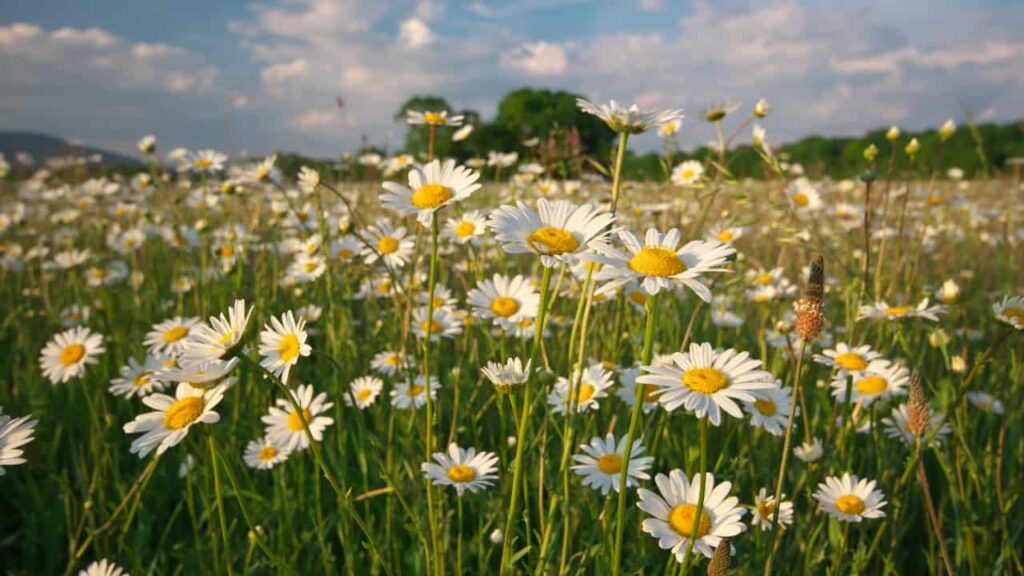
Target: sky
256	77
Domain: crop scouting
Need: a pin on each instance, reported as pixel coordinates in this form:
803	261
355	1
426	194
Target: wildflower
847	360
717	111
507	301
462	133
850	499
893	134
870	153
103	568
172	417
264	454
764	510
1011	311
881	379
389	362
432	187
986	402
958	364
632	120
761	108
444	323
430	118
558	231
66	355
770	408
220	335
206	161
363	391
588	385
810	317
912	147
949	292
627	392
462	469
309	179
882	310
146	144
391	244
899	425
466	229
670	128
140	379
14	433
601	463
687	173
169	336
809	451
505	378
282	342
803	196
406	396
947	130
285	426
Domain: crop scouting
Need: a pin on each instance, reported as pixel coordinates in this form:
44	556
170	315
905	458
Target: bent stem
634	421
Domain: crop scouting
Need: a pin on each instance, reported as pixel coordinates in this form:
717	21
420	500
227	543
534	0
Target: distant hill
43	147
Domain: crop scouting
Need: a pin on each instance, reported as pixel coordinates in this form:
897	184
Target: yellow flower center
174	334
430	196
725	236
464	229
935	200
142	379
202	163
384	287
897	310
461	474
183	412
227	337
764	279
800	199
227	251
391	360
288	349
766	407
552	241
765	509
610	463
415	390
1012	314
431	327
268	453
705	380
504	306
684	516
585	393
761	298
851	361
295	420
310	267
650	393
345	253
387	245
872	385
638	297
434	118
850	504
657	262
71	354
364	394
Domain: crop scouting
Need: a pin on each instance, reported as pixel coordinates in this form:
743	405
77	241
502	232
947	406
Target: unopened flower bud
893	134
947	130
913	147
958	364
870	153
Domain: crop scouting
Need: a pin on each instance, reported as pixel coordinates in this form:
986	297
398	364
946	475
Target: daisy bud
893	134
497	536
719	564
810	317
761	108
938	338
918	413
870	153
947	130
912	148
958	364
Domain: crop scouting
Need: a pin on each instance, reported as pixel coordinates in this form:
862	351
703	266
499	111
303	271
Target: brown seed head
918	413
810	315
719	564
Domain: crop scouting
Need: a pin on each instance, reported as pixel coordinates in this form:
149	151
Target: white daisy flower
210	341
809	452
75	315
687	173
168	337
389	362
673	509
506	377
199	375
66	355
140	378
764	510
103	568
987	402
850	499
1010	310
444	324
847	359
881	310
364	390
601	463
589	386
14	433
264	454
726	234
558	231
627	392
770	409
282	342
431	188
881	379
207	161
172	417
660	263
309	179
285	425
463	469
466	229
430	118
803	196
346	248
406	396
632	120
707	382
896	427
391	243
505	300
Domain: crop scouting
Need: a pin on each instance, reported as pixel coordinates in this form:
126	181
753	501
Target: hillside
43	146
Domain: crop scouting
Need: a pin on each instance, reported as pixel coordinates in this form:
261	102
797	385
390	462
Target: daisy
390	242
212	340
601	463
14	433
506	301
428	118
627	392
809	452
896	427
444	324
285	425
707	382
660	263
881	310
770	408
309	179
466	229
632	120
726	234
67	354
306	268
987	402
462	469
168	337
846	359
589	386
103	568
199	375
670	128
346	248
389	362
140	379
558	231
206	161
764	510
172	417
1011	311
405	396
673	511
431	188
803	196
687	173
364	391
75	315
505	378
850	499
881	379
282	342
264	454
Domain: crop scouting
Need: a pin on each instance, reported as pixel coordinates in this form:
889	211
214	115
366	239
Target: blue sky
260	76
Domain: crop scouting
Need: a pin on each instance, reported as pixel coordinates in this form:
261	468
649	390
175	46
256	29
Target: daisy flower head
673	510
431	118
881	379
1011	311
726	234
431	188
881	310
469	228
207	161
764	510
627	392
716	111
847	359
557	231
632	120
168	337
506	301
770	408
986	402
588	386
670	128
809	451
285	426
659	262
282	342
212	340
346	248
707	382
463	469
896	427
803	196
140	378
389	362
309	179
601	463
67	354
363	391
389	243
103	568
508	376
687	173
264	454
445	323
173	417
413	396
203	375
14	433
850	499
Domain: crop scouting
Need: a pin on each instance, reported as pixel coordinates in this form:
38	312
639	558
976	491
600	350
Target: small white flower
282	342
172	417
69	352
850	499
364	391
764	510
14	433
506	377
462	469
809	452
264	454
285	425
601	463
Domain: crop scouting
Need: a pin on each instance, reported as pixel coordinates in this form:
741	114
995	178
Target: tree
529	113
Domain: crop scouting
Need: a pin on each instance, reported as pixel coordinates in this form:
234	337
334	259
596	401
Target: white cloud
415	33
538	59
316	119
277	77
651	5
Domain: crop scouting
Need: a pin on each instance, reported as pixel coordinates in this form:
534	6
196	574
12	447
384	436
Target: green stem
220	505
688	556
428	436
617	175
